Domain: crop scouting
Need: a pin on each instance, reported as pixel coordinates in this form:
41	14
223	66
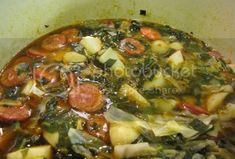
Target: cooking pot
23	21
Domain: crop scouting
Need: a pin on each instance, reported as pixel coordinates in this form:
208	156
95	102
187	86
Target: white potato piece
118	67
157	82
133	95
214	101
176	46
51	138
74	57
176	59
159	46
164	105
38	152
118	135
91	44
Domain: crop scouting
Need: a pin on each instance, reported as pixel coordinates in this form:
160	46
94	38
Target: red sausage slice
132	46
43	72
23	59
150	33
54	42
86	97
8	114
71	35
37	52
72	81
18	73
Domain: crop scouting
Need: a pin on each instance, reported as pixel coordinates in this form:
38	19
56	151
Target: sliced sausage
8	114
54	42
37	52
17	72
72	81
86	97
150	33
132	46
23	59
44	73
10	78
15	75
71	35
97	125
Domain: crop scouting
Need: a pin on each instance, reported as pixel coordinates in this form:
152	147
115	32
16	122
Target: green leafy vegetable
60	121
22	68
110	37
198	125
173	140
82	143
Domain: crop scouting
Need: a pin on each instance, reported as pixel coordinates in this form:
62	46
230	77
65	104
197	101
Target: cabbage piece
135	150
207	119
31	88
171	128
115	115
82	142
215	95
82	151
159	122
